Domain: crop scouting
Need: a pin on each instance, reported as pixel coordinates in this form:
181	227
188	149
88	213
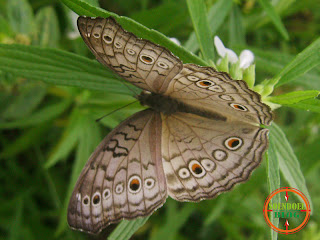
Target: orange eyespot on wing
205	83
86	200
238	107
233	143
196	168
146	59
134	184
107	39
96	199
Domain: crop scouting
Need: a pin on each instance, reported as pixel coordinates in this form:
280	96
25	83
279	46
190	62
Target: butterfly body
159	102
200	136
166	105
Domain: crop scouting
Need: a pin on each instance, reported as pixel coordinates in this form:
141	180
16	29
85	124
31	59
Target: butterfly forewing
141	62
123	178
204	157
211	91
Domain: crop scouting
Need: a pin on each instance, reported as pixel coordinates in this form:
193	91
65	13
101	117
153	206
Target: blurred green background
49	101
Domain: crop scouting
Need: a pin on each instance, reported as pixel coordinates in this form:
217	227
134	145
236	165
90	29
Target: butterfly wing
123	178
141	62
214	92
204	157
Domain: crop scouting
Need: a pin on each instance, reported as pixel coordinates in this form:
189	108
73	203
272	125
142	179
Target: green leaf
288	162
45	114
198	14
24	141
6	29
14	234
29	97
167	18
127	228
273	173
273	170
175	219
58	67
68	140
302	63
275	18
20	16
259	19
312	105
216	211
139	30
216	17
89	137
293	97
236	30
48	32
273	62
92	2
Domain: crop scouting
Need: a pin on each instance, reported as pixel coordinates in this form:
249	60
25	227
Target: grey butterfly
199	137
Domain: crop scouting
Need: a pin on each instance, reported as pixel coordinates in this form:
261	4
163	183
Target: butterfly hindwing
141	62
204	157
123	178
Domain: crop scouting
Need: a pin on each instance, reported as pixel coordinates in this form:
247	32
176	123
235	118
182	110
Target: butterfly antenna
115	110
130	89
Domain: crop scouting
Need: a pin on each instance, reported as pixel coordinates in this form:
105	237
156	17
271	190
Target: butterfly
199	137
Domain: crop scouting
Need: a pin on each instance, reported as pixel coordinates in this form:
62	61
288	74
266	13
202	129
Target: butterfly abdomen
168	105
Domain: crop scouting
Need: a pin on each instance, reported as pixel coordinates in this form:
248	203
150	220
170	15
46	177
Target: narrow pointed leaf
302	63
294	97
58	67
20	16
45	114
48	32
273	173
26	140
126	229
216	17
198	14
275	18
288	162
68	140
312	105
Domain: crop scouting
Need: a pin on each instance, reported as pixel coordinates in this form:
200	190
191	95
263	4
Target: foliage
51	92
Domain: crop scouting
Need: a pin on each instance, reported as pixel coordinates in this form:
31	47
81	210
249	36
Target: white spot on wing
149	183
184	173
192	78
219	155
208	164
226	97
119	188
216	88
106	193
